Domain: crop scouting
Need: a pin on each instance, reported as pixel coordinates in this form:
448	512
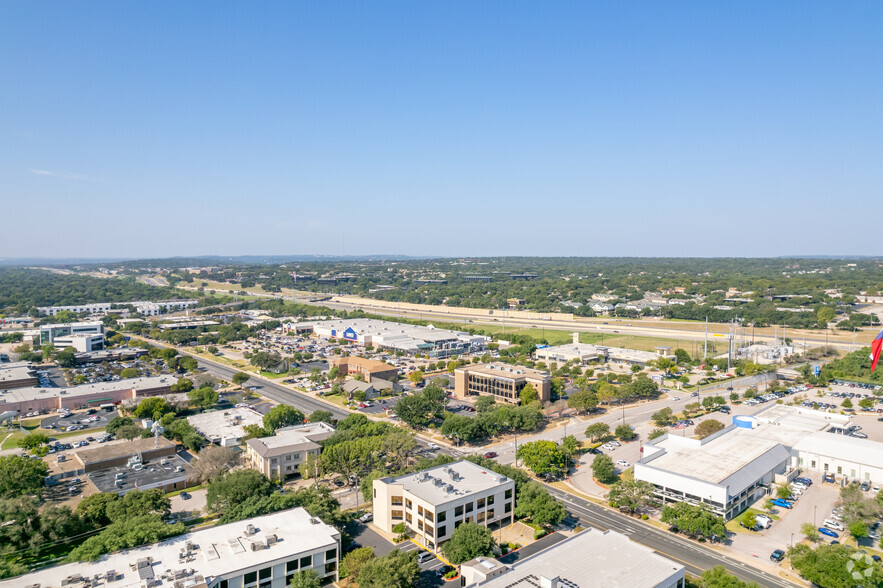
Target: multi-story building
370	369
94	308
263	552
86	395
48	333
500	380
81	342
434	502
280	456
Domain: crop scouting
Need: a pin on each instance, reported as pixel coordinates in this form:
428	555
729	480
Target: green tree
631	494
354	561
153	408
783	491
469	540
694	520
528	394
596	431
321	416
535	502
203	397
858	529
719	577
625	432
485	403
306	579
128	432
398	569
603	470
543	457
825	314
681	356
656	433
416	376
183	385
570	446
239	378
235	488
662	417
583	401
413	411
214	461
130	373
847	403
20	476
66	358
835	565
33	440
810	531
708	427
282	415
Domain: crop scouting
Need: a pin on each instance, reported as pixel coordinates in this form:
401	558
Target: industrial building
731	469
433	502
263	552
429	341
280	456
84	396
590	559
500	380
225	427
586	353
370	369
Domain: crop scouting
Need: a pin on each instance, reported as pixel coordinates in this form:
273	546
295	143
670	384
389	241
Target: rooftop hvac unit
449	488
256	546
250	530
314	521
271	540
437	482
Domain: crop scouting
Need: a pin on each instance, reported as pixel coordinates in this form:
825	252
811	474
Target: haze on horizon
681	129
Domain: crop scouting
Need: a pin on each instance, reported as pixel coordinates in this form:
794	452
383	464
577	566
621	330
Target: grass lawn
630	341
735	527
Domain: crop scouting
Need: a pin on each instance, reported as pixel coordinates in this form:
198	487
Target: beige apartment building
434	502
500	380
280	456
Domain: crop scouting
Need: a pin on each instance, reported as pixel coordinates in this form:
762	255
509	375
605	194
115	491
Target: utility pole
705	355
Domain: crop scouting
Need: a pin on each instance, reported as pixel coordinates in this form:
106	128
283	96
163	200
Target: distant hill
197	260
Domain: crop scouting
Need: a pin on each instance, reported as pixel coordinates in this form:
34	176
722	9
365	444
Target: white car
432	446
614	443
676	398
622	463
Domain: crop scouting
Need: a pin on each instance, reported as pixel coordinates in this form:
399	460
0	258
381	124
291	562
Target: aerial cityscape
394	295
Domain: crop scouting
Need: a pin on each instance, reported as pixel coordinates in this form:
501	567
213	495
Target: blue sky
446	128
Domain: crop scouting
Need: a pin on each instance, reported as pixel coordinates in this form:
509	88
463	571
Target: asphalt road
696	558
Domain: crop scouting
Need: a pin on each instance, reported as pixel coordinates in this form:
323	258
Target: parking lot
79	421
365	536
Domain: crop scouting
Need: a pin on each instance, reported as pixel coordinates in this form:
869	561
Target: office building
225	427
95	308
81	342
369	369
86	395
500	380
585	353
590	559
433	502
262	552
48	333
280	456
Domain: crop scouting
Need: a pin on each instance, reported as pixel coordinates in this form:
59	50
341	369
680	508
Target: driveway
192	507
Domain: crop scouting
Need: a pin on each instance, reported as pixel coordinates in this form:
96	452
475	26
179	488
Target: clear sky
440	128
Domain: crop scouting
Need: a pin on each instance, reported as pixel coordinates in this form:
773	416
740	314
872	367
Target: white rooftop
146	383
592	559
843	447
225	424
469	478
218	550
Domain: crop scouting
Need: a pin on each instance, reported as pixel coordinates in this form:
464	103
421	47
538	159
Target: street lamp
814	508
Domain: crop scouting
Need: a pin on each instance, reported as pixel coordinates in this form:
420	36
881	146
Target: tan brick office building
502	381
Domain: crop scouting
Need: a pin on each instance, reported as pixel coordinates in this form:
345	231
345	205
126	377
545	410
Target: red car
490	454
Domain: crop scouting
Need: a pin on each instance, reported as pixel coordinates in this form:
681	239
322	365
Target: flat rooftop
470	478
117	449
581	349
287	439
504	370
215	551
16	373
225	424
378	328
592	559
32	393
157	472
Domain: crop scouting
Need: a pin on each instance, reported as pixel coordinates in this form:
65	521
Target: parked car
828	532
424	556
777	556
490	454
432	446
832	524
622	463
443	570
782	503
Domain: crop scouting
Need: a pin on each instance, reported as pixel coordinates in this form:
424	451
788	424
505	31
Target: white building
433	502
82	342
589	559
94	308
735	467
225	427
432	342
48	333
586	353
146	308
263	552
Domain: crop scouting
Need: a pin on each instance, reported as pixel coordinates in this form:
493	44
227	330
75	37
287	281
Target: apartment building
434	502
280	456
500	380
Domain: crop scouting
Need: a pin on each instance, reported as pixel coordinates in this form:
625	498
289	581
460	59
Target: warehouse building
500	380
585	353
590	559
262	552
19	374
733	468
433	502
84	396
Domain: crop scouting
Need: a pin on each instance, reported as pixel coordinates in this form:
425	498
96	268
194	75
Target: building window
419	510
480	517
306	562
470	507
397	515
265	573
375	493
274	460
480	503
839	469
330	567
442	516
330	555
458	511
490	514
508	507
408	517
429	516
441	531
395	500
420	524
490	500
408	504
250	578
291	566
508	494
429	530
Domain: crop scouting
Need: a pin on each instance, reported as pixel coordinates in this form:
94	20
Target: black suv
777	556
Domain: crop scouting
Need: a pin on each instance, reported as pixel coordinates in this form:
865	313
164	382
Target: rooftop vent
314	521
271	540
